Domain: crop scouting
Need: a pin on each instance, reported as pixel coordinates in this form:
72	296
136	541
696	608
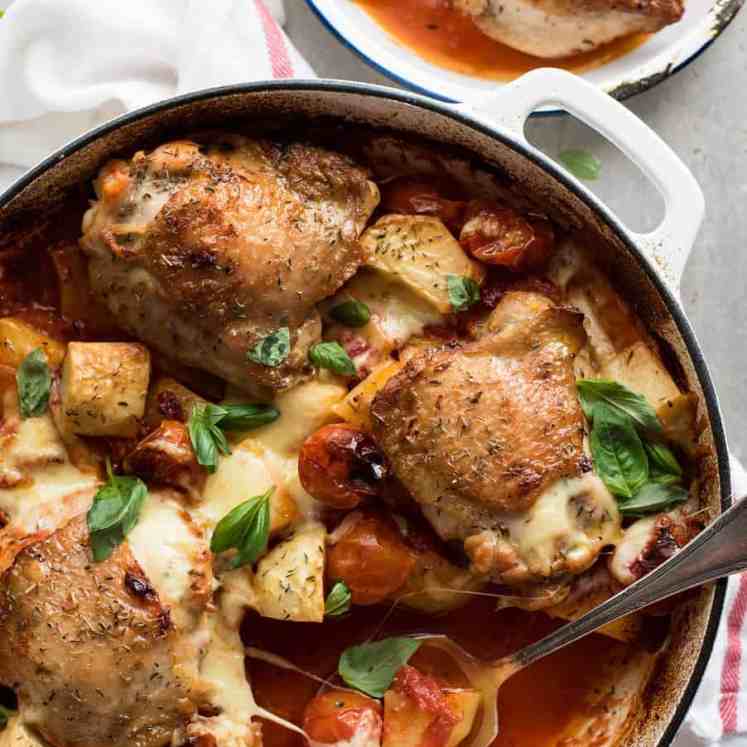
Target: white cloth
67	65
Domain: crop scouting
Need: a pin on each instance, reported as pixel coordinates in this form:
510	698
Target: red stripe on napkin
731	671
282	67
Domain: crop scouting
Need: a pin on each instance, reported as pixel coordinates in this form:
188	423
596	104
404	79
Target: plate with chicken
461	50
274	402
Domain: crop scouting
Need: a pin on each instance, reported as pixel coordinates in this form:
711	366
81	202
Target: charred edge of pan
724	13
726	10
632	88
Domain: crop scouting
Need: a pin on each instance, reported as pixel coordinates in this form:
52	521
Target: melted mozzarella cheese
169	549
574	518
39	486
16	734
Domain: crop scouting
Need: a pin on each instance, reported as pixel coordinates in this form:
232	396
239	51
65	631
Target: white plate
662	55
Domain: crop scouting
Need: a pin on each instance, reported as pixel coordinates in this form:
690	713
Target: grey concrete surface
702	113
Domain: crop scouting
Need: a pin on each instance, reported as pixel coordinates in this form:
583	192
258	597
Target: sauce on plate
449	39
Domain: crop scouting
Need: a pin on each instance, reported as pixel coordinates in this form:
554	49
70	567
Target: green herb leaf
618	453
463	292
581	163
663	464
272	350
245	528
371	667
114	513
5	713
206	437
352	313
241	417
593	392
338	600
33	382
332	355
652	498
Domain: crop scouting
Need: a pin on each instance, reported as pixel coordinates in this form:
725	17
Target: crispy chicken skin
492	423
202	250
488	439
90	648
559	28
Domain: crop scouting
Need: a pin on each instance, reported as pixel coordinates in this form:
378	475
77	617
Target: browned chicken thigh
488	438
206	251
559	28
90	647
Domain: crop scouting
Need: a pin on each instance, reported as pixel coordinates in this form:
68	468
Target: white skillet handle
668	247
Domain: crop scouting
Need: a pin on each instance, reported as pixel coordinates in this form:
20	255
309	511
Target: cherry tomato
420	196
501	236
340	465
339	715
372	559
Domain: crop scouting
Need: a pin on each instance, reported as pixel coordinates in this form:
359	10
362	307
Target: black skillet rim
601	211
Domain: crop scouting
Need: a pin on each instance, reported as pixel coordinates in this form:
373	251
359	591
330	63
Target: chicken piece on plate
488	438
559	28
204	251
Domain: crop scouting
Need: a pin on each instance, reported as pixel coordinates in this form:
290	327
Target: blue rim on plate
726	12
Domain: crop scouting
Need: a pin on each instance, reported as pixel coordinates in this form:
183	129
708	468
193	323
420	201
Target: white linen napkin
68	65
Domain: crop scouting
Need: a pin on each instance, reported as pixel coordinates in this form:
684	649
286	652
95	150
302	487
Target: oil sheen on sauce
449	39
535	706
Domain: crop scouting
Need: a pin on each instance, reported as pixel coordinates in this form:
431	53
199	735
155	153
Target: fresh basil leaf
5	713
272	350
352	313
114	513
463	292
33	382
593	392
652	498
618	453
245	528
371	667
332	355
207	438
247	417
663	464
338	600
581	163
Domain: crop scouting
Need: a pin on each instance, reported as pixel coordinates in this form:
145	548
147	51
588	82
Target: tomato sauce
449	39
535	705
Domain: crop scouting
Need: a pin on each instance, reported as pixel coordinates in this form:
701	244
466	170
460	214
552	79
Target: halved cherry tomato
340	465
339	715
499	235
420	196
371	558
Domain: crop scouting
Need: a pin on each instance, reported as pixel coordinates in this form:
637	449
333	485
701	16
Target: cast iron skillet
645	268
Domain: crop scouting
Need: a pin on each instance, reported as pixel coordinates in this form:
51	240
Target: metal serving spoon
719	550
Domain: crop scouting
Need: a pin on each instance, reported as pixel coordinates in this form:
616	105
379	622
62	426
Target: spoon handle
719	550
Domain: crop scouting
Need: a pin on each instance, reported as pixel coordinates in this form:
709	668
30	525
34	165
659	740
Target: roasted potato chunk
418	712
18	339
419	252
166	457
104	386
289	582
